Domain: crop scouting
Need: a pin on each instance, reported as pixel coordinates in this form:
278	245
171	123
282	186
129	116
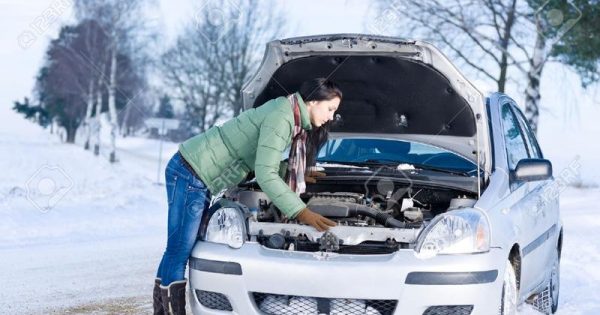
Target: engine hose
381	217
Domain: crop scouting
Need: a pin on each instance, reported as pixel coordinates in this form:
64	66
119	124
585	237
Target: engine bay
370	219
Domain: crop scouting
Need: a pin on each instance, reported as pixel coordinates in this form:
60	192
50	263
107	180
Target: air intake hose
348	209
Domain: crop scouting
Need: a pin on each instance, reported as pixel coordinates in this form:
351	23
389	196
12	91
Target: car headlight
463	231
226	226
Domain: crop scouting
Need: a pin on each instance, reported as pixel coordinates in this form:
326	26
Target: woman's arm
274	136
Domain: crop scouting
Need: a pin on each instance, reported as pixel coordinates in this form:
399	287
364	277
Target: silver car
443	200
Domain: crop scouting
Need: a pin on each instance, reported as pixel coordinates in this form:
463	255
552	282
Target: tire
554	284
552	290
510	293
547	300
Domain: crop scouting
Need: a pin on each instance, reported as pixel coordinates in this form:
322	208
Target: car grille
449	310
275	304
214	300
360	249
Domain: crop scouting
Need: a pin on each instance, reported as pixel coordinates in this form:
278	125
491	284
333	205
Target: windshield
365	150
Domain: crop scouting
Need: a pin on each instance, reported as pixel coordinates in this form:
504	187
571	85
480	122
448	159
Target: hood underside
405	89
382	94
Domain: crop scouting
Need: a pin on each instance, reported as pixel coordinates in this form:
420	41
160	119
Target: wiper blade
357	163
443	170
419	166
384	162
340	162
393	164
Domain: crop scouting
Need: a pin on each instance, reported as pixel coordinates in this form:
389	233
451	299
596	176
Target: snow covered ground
77	231
79	235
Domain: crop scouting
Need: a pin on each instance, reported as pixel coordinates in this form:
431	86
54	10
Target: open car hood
404	89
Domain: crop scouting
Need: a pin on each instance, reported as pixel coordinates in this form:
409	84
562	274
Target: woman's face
321	112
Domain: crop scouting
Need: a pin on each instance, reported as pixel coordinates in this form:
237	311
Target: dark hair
319	89
316	138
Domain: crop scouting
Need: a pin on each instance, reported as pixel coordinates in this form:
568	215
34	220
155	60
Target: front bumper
416	284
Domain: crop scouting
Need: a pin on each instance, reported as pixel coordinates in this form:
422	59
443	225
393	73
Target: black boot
173	297
156	300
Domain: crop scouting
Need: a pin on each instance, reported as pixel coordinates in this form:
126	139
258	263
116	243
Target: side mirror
530	170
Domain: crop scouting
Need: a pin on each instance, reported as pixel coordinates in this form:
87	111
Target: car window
532	143
515	143
372	149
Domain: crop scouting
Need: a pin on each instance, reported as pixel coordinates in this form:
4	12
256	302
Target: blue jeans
188	197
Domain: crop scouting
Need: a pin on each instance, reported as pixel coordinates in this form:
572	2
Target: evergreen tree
165	108
32	112
579	47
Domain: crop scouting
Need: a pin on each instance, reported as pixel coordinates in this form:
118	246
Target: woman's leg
171	176
187	197
159	271
190	201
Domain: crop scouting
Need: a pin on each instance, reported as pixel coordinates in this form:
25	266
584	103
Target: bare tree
476	34
126	37
193	71
493	37
66	84
90	56
215	56
243	46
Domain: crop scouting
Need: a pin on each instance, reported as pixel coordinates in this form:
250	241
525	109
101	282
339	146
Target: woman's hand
316	220
311	176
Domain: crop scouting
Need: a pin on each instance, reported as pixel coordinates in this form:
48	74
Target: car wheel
547	300
508	304
554	285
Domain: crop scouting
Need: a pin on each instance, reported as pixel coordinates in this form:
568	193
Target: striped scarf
297	158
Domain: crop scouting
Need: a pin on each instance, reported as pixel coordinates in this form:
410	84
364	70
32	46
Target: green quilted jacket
254	140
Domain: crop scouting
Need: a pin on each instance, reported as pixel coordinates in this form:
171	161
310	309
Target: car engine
367	223
357	209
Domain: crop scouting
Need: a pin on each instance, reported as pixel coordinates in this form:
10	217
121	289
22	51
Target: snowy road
85	276
96	249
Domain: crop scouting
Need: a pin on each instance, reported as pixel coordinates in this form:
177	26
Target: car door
546	201
524	209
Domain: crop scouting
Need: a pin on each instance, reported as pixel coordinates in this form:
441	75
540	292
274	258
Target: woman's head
322	98
320	95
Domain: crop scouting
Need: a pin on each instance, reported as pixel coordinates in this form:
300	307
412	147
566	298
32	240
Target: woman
222	156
